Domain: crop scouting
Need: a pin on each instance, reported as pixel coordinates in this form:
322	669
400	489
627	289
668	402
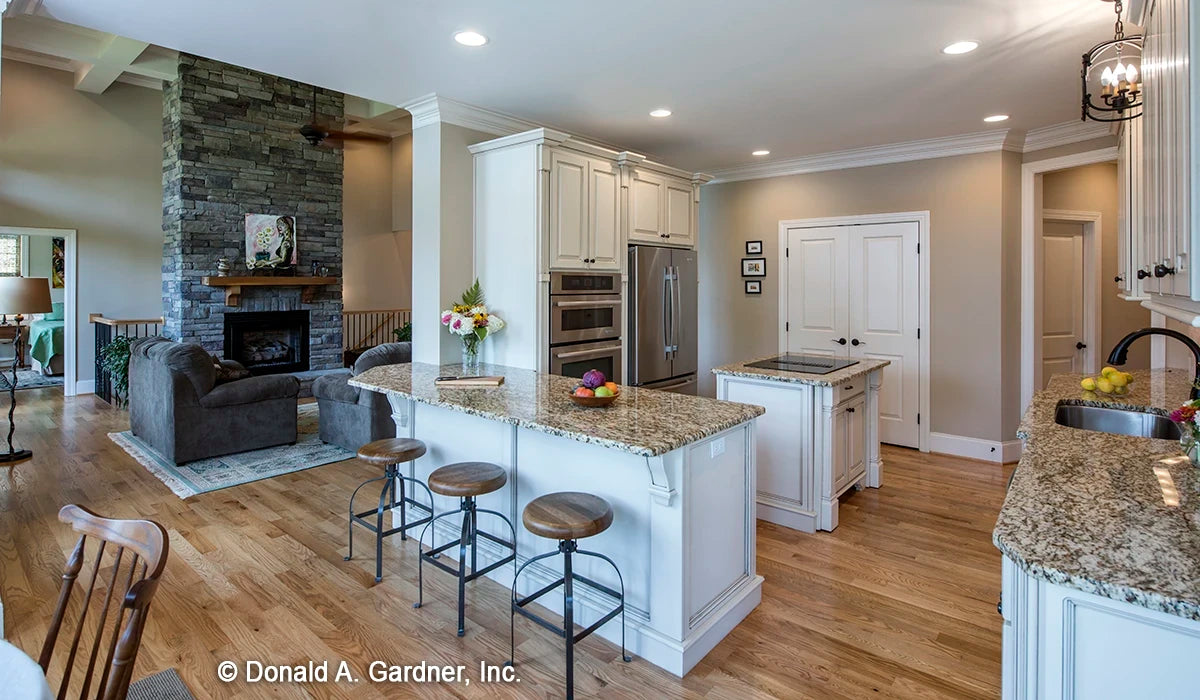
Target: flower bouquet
470	319
1187	417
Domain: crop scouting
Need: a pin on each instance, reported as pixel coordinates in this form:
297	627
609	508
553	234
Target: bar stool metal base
567	631
469	537
388	501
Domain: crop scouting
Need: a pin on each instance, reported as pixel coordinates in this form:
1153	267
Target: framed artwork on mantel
270	241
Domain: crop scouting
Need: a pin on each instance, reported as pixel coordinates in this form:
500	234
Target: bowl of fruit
595	390
1110	382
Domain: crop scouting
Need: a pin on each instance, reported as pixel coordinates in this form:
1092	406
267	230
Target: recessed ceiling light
961	47
996	118
470	38
763	152
660	112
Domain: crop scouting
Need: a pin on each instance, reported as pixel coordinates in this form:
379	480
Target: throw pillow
229	370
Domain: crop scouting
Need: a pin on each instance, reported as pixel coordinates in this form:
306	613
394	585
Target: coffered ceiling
797	77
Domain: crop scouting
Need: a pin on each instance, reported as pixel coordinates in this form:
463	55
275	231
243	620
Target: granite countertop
642	421
1112	515
740	369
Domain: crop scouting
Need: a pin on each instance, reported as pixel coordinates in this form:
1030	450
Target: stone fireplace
231	147
268	342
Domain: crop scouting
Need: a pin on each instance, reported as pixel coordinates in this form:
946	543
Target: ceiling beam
114	59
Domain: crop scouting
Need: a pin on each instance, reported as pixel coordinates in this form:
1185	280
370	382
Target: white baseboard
85	386
974	448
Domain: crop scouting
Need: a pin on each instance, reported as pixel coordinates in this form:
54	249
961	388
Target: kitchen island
1101	541
819	438
678	471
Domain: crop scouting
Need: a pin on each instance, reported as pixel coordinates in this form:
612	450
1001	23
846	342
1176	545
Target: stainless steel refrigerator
662	319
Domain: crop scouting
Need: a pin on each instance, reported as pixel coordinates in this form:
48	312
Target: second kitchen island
678	471
820	436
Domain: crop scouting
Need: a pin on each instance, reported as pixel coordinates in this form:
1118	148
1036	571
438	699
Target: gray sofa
176	406
352	417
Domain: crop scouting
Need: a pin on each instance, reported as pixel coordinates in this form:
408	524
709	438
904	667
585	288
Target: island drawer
848	390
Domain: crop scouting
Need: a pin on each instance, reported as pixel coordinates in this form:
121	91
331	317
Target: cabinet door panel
568	210
646	202
679	213
841	455
604	218
856	436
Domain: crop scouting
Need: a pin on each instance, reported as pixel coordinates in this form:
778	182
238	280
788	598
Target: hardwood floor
899	601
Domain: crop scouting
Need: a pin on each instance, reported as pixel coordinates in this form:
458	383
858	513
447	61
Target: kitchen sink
1117	421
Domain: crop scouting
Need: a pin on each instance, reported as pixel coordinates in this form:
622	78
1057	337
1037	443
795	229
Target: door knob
1161	270
856	342
840	341
1142	274
1118	279
1080	345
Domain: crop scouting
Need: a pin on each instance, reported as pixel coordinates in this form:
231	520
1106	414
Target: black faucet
1117	356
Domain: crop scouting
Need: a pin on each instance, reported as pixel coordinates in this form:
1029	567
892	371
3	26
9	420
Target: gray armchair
176	406
352	417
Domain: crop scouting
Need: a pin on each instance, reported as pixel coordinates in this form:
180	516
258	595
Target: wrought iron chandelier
1112	73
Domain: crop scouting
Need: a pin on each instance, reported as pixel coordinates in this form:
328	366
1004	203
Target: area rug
217	473
28	379
164	685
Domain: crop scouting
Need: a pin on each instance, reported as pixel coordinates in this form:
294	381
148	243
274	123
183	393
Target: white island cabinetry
678	471
819	438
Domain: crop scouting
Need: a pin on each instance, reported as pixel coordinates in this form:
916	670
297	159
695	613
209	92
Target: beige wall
1094	188
964	196
92	163
377	259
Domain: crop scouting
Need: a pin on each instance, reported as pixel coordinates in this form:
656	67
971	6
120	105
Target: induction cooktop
808	364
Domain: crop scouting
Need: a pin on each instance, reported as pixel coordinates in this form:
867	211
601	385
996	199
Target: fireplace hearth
268	342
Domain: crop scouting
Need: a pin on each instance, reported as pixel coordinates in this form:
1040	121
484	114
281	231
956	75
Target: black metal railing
106	329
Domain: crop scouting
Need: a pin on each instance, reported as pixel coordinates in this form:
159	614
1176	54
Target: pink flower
446	317
457	324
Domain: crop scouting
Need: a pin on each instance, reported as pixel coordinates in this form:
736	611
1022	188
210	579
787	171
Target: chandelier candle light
470	319
1117	85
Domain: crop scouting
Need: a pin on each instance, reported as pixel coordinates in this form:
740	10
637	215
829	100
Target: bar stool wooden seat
568	516
465	481
389	453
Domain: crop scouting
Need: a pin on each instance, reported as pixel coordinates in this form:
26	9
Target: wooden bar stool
465	480
389	453
567	517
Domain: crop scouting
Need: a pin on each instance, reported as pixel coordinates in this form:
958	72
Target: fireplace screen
268	342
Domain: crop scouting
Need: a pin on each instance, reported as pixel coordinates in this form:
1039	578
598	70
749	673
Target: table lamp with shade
19	296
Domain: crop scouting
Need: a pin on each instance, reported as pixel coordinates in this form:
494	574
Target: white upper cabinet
680	224
569	215
604	217
647	190
1162	184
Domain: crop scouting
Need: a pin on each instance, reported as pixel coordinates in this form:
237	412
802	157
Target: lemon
1107	371
1105	386
1120	390
1088	395
1118	379
1128	377
1088	384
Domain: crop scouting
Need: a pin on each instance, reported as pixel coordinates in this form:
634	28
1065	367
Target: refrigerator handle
675	303
668	324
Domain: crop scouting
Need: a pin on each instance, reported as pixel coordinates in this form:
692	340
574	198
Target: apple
584	391
603	391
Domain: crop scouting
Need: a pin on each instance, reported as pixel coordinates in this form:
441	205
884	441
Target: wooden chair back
137	552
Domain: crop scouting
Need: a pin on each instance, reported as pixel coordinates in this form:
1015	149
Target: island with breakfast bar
678	471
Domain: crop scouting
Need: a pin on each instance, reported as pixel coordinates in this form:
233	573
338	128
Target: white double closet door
854	291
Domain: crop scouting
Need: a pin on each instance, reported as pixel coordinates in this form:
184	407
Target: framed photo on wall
753	247
754	267
753	287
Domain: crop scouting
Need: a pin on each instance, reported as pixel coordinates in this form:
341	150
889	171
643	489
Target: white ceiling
797	77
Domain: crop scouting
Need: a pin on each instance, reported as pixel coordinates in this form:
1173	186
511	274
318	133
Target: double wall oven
585	323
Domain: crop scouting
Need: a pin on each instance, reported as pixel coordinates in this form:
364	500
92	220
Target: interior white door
885	311
1062	298
854	291
817	292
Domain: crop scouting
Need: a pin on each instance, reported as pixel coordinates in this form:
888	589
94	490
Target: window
10	256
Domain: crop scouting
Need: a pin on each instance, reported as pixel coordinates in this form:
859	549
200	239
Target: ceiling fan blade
357	136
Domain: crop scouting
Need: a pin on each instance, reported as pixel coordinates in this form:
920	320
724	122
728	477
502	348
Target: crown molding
981	142
1063	134
434	108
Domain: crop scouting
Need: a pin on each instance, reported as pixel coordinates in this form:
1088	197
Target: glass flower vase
470	357
1191	448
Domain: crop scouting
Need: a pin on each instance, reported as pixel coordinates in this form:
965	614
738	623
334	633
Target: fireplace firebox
268	342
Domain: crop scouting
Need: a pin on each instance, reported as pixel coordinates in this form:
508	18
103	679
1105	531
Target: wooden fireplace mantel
233	285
